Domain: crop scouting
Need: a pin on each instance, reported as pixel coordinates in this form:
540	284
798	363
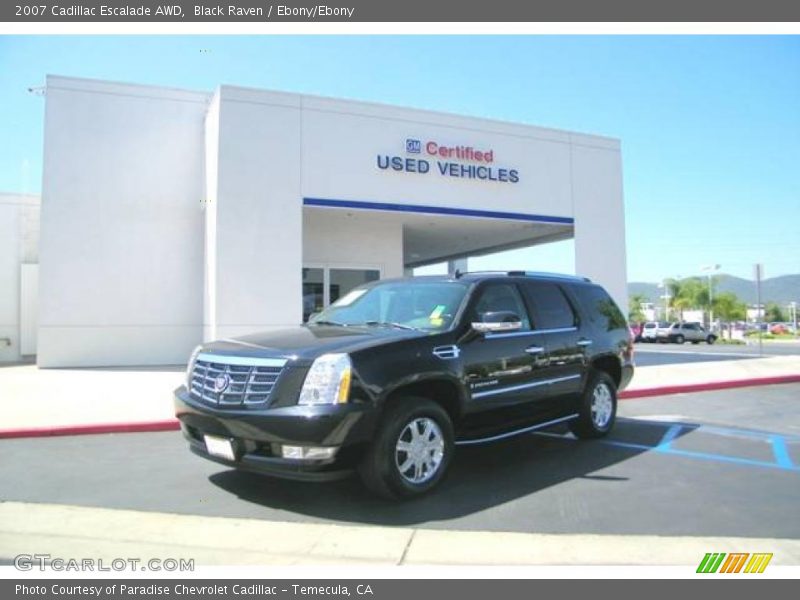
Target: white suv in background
651	329
686	332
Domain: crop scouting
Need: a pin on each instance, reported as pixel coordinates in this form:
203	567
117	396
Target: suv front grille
230	381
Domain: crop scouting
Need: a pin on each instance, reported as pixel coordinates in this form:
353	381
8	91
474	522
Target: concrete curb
707	386
94	428
174	425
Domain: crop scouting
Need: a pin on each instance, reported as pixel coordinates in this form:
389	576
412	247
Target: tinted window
502	297
601	308
551	308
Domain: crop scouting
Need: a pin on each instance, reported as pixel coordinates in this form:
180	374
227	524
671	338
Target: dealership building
168	217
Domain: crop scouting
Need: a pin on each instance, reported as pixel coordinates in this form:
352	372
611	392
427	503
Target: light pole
793	306
664	296
710	269
665	285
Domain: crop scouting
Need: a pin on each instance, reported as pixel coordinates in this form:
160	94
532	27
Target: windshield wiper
389	324
333	323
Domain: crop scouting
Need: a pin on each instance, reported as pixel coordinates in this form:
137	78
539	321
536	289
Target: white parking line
698	353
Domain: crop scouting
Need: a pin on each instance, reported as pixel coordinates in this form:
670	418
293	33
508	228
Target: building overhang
433	234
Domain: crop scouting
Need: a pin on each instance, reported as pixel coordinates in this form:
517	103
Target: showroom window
325	284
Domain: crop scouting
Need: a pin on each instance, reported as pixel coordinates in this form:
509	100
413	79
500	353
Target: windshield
425	305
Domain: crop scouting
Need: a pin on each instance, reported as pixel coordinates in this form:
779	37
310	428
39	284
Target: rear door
556	321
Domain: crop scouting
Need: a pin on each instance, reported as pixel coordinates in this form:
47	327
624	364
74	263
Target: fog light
308	452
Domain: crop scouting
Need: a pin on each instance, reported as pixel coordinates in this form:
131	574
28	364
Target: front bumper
258	435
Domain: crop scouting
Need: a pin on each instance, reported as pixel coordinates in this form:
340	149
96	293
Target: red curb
706	387
174	425
171	425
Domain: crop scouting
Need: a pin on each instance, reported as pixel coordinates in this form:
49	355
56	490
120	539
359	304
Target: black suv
397	373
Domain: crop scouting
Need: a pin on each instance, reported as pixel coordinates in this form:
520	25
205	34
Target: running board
502	436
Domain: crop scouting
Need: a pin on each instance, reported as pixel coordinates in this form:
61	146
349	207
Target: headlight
190	365
328	381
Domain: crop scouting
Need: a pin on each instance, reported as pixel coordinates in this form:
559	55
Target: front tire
598	407
679	339
411	450
711	339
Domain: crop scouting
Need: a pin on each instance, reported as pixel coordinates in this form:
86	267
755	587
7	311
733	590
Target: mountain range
782	290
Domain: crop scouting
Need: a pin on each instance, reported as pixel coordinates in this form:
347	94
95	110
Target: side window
502	297
601	308
551	307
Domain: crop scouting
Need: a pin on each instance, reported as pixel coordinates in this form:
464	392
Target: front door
501	369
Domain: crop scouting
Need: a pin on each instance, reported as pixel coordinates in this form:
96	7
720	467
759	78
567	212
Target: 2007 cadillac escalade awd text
396	374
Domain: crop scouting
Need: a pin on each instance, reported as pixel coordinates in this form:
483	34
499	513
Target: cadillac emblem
221	383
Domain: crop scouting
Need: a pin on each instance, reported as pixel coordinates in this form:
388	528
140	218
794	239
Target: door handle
585	342
534	349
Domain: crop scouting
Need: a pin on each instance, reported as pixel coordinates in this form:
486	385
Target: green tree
774	312
635	312
688	293
729	308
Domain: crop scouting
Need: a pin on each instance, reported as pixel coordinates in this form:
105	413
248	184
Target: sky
709	125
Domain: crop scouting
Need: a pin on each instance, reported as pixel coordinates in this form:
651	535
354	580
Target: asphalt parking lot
715	463
648	354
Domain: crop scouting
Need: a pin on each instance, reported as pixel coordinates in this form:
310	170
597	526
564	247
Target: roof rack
458	274
549	275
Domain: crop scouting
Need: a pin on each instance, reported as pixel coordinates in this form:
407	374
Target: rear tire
598	407
411	451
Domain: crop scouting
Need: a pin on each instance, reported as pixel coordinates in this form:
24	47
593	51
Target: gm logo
413	146
734	563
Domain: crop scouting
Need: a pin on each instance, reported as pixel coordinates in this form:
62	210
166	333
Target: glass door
313	291
323	284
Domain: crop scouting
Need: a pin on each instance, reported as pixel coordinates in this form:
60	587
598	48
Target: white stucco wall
257	214
172	216
19	237
121	270
600	218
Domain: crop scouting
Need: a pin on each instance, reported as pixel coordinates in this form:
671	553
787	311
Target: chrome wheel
602	405
419	450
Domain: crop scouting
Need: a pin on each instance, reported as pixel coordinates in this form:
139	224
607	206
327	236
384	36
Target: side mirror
497	322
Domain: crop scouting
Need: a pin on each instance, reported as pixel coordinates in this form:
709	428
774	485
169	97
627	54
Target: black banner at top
332	11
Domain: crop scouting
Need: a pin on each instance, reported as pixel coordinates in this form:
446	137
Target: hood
305	343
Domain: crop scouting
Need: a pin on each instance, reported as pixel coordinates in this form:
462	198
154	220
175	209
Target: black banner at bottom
383	589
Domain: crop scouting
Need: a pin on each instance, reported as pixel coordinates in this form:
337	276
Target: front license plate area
219	446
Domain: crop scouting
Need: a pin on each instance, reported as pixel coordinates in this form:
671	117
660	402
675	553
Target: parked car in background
779	328
651	328
680	333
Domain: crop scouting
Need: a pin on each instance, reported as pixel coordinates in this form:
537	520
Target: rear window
551	308
601	309
650	325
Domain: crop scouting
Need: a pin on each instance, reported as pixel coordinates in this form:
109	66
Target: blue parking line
781	451
665	445
735	432
783	461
